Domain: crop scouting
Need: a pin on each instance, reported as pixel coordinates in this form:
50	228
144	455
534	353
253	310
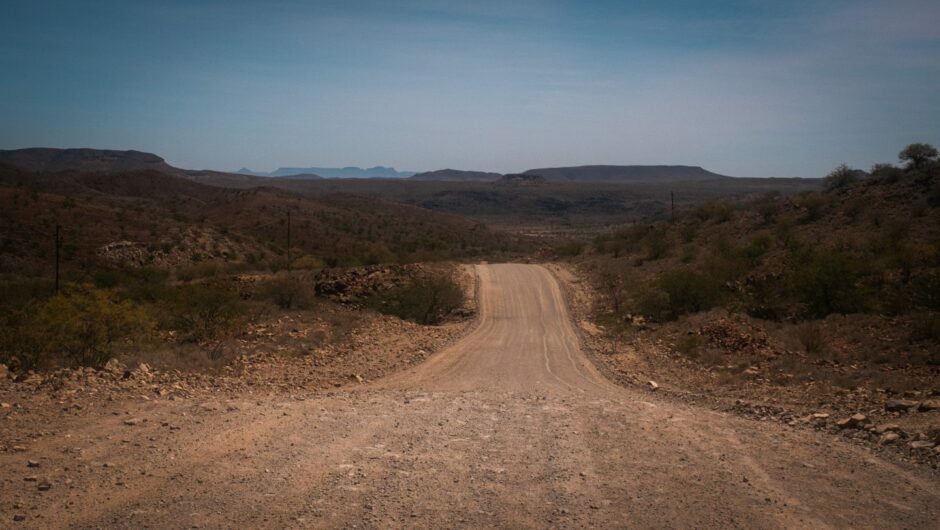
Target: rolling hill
157	217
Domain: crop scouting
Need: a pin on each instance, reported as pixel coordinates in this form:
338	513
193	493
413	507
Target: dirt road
511	427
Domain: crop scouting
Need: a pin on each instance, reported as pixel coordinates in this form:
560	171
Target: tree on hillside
916	155
840	177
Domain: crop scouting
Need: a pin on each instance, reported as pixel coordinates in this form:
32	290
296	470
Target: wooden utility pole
57	245
288	240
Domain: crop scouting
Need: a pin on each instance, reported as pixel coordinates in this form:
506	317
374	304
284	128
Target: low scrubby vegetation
866	243
149	312
150	218
422	299
150	259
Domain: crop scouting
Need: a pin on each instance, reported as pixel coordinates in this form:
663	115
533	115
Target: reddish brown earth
512	426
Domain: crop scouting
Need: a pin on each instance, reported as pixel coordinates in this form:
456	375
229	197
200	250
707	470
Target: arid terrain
434	264
511	426
217	350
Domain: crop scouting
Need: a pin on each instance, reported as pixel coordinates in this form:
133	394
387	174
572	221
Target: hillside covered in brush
151	217
863	244
850	271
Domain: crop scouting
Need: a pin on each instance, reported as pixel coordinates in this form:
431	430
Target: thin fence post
288	240
57	245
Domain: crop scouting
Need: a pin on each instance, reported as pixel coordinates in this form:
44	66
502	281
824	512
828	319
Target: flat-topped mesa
87	160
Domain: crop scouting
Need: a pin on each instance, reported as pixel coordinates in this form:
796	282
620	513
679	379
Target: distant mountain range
351	172
106	161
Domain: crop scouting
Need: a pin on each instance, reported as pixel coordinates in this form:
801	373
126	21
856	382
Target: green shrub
141	284
717	210
656	243
688	231
768	206
289	291
885	173
80	327
569	249
422	300
840	177
813	204
197	271
308	262
756	248
678	292
374	254
828	281
811	338
206	312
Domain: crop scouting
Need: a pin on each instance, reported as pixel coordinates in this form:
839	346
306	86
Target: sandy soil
512	426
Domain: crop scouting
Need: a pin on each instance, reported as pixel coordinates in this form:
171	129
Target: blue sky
747	88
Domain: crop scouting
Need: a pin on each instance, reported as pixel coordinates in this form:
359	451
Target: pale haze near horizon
741	88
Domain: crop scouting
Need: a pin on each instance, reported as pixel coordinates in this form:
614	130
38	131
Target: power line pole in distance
57	245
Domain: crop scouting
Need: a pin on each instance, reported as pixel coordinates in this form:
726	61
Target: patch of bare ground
818	376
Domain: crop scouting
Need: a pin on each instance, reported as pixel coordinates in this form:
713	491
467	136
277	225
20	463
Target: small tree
425	300
678	292
840	177
80	326
827	281
916	155
205	312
